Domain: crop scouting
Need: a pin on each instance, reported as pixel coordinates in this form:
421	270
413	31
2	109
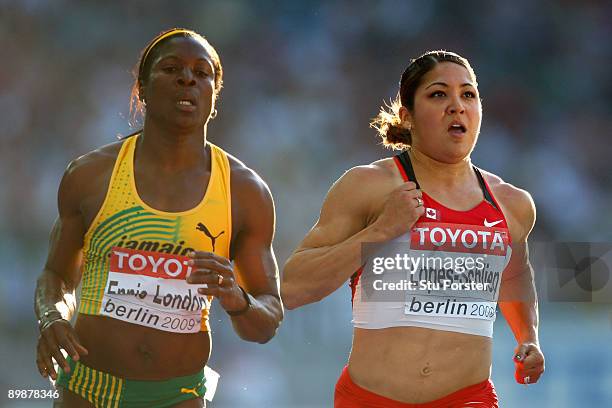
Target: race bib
449	307
456	270
149	289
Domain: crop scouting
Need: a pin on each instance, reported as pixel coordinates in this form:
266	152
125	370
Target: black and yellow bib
135	261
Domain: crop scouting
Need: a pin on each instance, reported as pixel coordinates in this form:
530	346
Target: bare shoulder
87	174
91	164
374	179
383	170
245	181
352	203
359	194
517	203
252	203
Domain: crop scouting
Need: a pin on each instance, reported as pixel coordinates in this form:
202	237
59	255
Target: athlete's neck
447	174
174	150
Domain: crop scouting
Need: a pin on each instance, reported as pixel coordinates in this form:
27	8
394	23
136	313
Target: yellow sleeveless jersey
135	264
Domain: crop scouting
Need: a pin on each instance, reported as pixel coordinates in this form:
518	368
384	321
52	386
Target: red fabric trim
354	282
350	395
398	163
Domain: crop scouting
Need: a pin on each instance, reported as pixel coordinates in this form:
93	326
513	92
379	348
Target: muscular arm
59	279
331	252
54	290
254	259
61	273
518	299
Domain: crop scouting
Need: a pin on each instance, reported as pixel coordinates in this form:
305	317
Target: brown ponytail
389	126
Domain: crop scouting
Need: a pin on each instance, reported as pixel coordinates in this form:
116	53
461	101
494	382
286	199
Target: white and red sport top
457	259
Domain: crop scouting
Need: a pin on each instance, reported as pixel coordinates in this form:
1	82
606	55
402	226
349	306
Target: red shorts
350	395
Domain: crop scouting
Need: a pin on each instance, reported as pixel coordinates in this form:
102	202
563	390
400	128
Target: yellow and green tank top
135	256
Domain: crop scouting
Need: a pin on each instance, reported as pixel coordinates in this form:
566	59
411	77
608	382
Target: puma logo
193	390
190	391
202	227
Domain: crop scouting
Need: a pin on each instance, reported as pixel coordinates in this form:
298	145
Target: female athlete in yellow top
154	227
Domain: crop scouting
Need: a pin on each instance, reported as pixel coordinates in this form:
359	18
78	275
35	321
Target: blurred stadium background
302	80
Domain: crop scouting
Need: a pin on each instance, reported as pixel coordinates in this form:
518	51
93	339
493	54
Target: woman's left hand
529	363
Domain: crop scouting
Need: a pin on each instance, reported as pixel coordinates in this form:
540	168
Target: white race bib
150	289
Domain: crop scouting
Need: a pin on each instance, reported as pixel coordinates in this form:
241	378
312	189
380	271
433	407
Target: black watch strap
234	313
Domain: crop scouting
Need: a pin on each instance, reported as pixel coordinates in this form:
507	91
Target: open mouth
186	105
457	129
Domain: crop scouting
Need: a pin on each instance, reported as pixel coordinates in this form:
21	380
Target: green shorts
106	390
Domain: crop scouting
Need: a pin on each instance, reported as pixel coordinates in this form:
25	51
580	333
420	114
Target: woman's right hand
56	335
401	210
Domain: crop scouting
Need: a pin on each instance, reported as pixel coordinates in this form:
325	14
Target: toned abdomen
416	365
137	352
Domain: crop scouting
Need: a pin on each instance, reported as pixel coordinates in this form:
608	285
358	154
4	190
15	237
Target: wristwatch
244	309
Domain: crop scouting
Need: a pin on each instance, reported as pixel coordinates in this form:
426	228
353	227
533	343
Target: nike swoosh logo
491	224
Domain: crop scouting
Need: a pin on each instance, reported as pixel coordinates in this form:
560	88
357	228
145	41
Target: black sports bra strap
404	158
485	190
